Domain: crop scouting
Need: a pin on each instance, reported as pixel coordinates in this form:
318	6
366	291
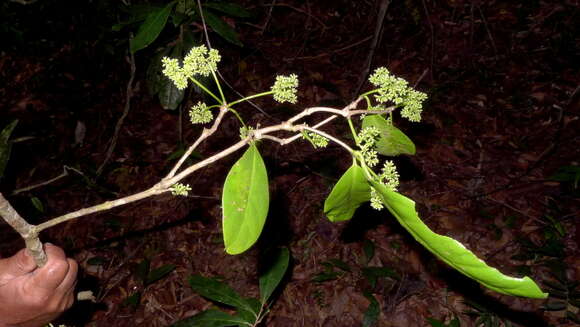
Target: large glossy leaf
270	279
151	27
6	145
452	252
392	141
221	28
245	201
211	318
348	194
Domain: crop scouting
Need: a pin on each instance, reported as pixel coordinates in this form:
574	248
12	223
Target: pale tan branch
204	135
27	231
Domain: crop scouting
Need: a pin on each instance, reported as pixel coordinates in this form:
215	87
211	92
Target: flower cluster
396	90
199	61
285	88
317	140
180	189
245	131
390	178
367	138
200	114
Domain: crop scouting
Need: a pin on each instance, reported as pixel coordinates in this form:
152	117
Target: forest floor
497	162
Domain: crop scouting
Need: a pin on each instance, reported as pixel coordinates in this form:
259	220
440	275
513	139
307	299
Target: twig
128	97
268	18
204	135
300	11
378	27
26	231
352	45
50	181
432	29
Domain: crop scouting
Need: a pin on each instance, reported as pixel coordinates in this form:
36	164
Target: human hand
32	296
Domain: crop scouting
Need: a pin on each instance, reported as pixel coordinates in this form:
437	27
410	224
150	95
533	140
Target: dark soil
501	120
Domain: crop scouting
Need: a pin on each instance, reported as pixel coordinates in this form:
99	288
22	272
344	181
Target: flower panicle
180	189
285	88
397	90
199	61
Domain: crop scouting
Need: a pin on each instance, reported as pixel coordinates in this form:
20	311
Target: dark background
501	121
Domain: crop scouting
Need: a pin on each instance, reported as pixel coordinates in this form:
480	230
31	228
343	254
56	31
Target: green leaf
210	318
270	279
326	276
348	194
158	273
245	202
151	27
218	291
154	76
6	145
37	204
392	141
221	28
250	313
230	9
170	97
373	311
451	251
372	274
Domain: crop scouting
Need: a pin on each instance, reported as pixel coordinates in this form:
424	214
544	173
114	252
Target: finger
69	282
51	275
19	264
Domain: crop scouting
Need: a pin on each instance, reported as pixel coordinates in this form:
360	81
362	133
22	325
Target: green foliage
249	311
391	141
348	194
452	252
6	145
151	27
245	201
274	274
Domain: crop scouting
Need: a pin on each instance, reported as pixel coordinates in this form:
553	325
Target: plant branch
204	135
30	232
27	231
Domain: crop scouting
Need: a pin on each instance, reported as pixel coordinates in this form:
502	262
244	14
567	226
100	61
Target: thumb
19	264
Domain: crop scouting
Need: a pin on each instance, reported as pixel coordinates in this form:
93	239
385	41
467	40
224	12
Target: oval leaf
151	27
392	141
270	279
452	252
245	202
216	290
221	28
348	194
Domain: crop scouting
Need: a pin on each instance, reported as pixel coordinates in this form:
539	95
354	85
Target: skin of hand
32	296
